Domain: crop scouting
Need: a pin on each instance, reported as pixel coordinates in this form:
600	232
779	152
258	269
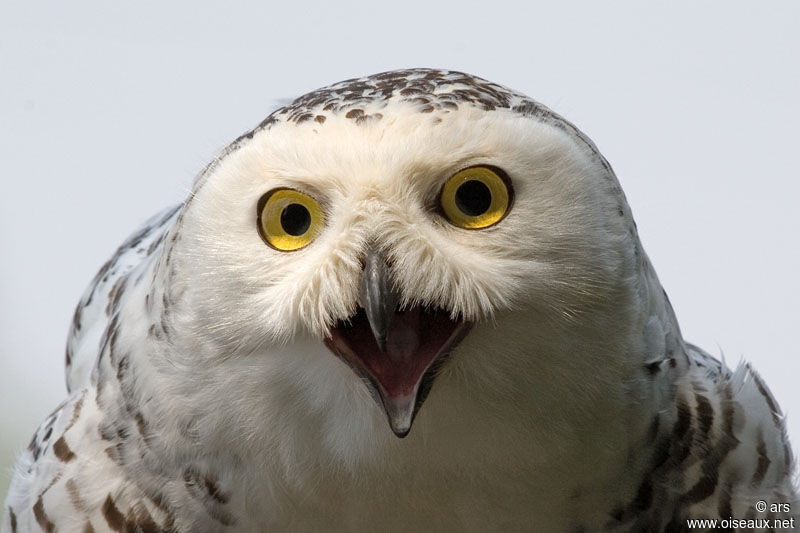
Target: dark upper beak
397	351
378	297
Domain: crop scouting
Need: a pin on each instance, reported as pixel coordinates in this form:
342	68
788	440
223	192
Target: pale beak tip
400	412
401	433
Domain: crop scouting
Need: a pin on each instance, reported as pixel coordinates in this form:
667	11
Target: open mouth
400	358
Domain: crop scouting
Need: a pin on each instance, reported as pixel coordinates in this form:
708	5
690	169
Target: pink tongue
415	339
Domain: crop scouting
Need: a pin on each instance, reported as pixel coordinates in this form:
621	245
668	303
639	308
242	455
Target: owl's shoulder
68	479
94	310
736	434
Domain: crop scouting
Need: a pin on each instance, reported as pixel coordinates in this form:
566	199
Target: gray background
107	111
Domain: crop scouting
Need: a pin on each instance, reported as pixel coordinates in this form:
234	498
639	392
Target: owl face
390	233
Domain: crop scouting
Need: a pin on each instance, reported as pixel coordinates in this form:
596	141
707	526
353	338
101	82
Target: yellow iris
288	219
476	197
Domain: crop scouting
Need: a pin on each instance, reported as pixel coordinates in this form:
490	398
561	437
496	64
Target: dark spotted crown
427	90
363	100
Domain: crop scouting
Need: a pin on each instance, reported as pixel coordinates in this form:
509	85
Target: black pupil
473	198
295	219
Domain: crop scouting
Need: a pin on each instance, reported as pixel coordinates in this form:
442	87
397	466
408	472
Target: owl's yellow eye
288	219
476	197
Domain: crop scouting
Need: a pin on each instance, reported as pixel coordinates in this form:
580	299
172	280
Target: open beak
397	351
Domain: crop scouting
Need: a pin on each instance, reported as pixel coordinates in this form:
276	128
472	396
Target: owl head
413	227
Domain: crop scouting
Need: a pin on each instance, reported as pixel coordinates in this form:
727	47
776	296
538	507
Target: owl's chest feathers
297	441
454	475
462	468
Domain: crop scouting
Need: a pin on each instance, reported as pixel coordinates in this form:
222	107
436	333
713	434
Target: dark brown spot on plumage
408	91
76	411
153	493
419	100
62	451
684	447
643	499
369	118
213	490
87	528
75	496
116	453
139	519
98	390
208	493
109	338
763	461
684	420
34	448
190	475
164	327
653	368
76	318
123	364
644	496
426	109
141	425
13	519
113	517
165	304
102	275
156	243
660	453
122	432
320	119
704	488
355	113
168	525
53	481
41	516
725	508
705	413
729	407
106	432
157	331
114	296
707	484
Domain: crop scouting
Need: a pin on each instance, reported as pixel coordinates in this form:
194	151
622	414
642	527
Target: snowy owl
414	301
